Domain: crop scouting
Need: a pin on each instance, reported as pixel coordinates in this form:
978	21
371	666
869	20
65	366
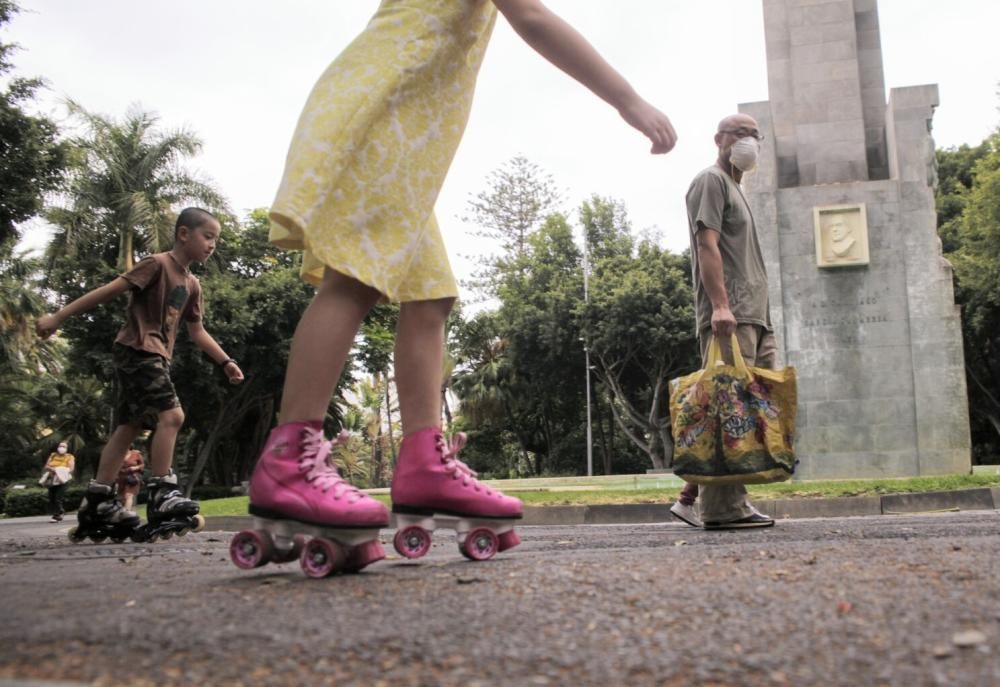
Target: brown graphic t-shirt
716	201
163	293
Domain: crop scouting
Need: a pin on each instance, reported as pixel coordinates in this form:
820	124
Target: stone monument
861	297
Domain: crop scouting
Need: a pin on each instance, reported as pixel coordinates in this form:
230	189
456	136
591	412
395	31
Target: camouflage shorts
143	388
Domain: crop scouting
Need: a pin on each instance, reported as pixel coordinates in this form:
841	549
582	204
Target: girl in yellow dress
370	152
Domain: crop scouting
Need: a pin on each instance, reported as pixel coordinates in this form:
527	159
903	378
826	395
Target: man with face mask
730	294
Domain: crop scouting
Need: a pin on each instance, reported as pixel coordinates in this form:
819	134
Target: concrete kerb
780	509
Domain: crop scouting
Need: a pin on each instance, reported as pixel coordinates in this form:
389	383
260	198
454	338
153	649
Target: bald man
730	295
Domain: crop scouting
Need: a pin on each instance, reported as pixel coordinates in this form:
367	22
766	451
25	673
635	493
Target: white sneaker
688	514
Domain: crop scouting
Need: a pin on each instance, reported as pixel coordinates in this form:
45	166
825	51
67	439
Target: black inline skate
168	511
101	517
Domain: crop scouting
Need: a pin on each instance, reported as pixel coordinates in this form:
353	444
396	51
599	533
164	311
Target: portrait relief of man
841	235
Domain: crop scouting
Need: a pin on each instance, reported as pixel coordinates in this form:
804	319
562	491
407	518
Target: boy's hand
46	326
233	372
651	122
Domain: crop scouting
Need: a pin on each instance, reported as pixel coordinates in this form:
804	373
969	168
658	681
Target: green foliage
639	326
518	199
520	370
126	185
969	224
32	158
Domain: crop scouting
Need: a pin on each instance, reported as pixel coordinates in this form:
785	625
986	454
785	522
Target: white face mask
743	154
61	450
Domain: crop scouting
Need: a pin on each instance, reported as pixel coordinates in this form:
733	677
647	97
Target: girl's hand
233	372
651	122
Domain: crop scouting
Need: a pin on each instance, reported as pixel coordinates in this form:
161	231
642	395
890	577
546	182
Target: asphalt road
907	601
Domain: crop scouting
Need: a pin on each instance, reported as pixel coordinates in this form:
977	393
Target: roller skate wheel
412	542
199	523
167	535
322	557
364	555
117	540
284	556
251	549
480	544
508	540
75	536
98	538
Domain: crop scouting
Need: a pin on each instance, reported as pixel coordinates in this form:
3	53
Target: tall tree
32	159
518	198
639	325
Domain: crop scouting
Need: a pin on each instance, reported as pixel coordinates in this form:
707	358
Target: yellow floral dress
374	143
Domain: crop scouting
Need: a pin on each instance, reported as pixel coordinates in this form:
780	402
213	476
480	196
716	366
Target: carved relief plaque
841	235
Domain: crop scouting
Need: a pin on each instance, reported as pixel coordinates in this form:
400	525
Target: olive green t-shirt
716	202
163	293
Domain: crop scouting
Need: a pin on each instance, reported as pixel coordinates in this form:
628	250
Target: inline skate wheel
199	523
98	538
412	542
117	540
480	544
251	549
75	536
322	557
508	540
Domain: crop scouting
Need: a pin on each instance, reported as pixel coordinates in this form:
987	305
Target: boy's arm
562	45
203	340
47	325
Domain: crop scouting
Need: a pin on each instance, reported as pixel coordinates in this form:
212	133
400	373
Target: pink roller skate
432	488
304	509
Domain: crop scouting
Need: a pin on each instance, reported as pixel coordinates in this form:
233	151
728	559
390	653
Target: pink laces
316	463
452	465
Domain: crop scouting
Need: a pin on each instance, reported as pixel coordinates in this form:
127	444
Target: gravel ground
896	601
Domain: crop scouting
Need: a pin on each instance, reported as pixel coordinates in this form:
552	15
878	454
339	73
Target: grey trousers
759	349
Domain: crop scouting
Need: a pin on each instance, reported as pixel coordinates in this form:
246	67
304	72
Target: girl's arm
562	45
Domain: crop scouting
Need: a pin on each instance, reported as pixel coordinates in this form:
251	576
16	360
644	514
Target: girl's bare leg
321	344
418	360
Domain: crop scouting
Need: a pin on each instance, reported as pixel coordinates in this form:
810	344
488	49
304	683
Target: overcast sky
237	72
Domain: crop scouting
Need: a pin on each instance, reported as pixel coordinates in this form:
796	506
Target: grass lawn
237	505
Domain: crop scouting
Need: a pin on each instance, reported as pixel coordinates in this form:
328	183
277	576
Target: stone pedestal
877	344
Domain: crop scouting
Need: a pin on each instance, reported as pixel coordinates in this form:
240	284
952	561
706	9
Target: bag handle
714	356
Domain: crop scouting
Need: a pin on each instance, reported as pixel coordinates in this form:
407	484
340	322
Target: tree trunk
126	250
605	454
206	451
446	408
388	424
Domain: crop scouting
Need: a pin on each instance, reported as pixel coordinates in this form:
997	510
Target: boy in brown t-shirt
163	292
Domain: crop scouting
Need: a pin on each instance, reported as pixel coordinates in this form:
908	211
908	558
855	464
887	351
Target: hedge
19	503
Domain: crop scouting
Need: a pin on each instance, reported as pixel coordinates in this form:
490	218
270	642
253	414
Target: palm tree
20	305
483	388
128	183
